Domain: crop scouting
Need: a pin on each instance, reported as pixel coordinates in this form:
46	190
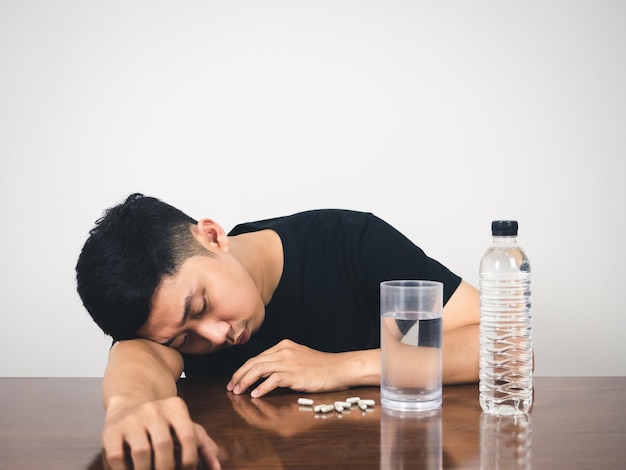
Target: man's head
129	251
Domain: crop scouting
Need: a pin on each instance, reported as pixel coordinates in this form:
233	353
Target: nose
215	331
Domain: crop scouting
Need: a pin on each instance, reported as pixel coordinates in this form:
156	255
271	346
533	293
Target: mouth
244	337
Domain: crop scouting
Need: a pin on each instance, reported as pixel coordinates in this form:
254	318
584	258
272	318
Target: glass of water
410	344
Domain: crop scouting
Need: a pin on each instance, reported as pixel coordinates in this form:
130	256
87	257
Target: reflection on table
575	423
277	432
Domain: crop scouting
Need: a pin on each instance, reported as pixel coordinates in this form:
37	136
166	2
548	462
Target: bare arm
144	413
140	371
461	318
460	355
304	369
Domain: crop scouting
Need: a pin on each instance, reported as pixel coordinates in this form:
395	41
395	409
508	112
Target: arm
140	371
461	318
144	413
300	368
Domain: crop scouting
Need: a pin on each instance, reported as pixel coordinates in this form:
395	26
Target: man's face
212	303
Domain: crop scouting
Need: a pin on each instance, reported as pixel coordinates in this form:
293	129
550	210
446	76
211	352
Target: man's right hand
146	422
155	434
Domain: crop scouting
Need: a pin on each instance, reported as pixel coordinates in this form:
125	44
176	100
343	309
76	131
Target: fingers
251	372
156	435
114	454
283	365
207	448
275	380
184	431
136	451
236	385
304	369
162	443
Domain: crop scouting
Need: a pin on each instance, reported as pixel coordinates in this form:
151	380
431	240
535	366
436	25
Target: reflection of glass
505	442
410	440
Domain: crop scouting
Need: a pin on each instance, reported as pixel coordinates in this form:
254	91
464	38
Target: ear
211	235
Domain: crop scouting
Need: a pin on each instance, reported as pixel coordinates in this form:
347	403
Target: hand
154	433
292	365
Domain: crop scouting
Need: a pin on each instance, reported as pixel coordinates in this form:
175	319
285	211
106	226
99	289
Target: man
286	302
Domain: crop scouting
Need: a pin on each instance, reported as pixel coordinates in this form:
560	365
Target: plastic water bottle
505	325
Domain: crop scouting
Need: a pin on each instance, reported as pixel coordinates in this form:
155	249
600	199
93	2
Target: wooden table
575	423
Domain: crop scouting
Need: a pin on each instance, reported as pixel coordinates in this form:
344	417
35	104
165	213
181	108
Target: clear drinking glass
410	344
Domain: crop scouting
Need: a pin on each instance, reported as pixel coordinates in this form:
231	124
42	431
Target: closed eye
205	307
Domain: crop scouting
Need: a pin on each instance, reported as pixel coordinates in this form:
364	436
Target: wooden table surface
575	423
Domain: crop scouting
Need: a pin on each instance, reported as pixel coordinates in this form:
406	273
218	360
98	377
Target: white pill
338	407
318	408
362	405
344	404
368	402
305	401
327	408
353	400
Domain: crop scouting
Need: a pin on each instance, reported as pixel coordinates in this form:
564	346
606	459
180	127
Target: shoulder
310	220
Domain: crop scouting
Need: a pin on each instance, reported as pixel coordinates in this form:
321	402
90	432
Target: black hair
128	252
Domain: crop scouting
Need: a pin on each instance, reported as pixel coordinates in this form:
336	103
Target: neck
261	254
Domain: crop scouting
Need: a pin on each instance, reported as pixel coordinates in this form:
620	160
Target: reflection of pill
305	401
343	404
353	400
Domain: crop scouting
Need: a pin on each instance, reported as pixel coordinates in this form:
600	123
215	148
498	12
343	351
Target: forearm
361	368
460	359
139	371
461	355
145	420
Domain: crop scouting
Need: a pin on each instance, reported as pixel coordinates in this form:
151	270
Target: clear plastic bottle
506	367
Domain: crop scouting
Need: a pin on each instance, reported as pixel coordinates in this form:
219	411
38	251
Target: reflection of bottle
505	330
410	439
505	442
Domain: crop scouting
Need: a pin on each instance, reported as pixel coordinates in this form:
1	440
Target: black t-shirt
328	297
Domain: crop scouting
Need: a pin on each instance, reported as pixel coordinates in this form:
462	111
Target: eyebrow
187	312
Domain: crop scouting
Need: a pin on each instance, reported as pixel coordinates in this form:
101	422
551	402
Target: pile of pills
307	404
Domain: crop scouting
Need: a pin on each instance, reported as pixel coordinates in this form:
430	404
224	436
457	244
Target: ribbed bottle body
505	329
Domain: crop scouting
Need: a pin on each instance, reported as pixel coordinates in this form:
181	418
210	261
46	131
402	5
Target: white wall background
437	116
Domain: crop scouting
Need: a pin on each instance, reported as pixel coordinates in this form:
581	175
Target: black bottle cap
504	228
